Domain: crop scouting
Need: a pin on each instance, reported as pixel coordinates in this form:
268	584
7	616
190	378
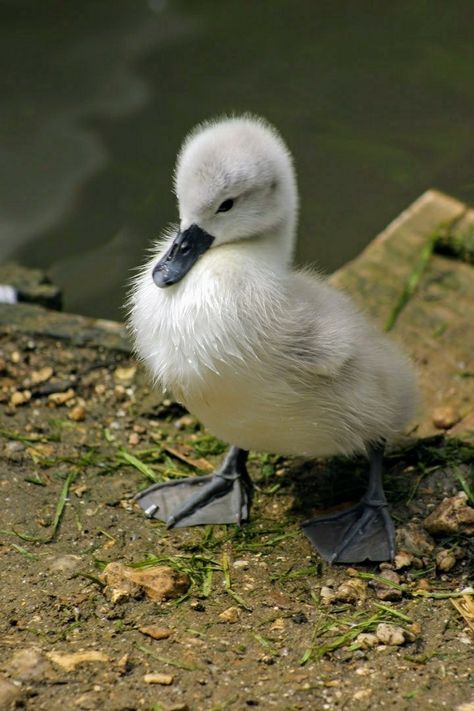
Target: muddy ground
265	623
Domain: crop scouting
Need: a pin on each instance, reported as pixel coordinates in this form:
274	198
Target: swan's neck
281	243
273	249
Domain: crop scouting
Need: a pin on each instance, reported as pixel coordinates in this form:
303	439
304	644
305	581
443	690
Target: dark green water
376	101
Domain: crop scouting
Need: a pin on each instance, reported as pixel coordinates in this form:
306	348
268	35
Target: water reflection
375	102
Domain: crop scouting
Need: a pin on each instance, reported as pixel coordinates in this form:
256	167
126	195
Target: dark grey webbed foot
363	532
223	497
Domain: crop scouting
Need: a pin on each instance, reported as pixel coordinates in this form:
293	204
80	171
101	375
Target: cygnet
268	357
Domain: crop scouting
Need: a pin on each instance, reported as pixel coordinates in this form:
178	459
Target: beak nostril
172	252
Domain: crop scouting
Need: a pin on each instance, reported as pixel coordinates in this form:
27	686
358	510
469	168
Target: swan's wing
320	330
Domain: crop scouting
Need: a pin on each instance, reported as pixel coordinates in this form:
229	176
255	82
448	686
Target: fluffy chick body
267	357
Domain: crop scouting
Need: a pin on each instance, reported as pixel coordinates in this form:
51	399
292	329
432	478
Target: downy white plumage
269	358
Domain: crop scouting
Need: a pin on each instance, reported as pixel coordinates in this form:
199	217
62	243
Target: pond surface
375	101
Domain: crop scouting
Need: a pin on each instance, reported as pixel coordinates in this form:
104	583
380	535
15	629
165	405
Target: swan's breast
191	331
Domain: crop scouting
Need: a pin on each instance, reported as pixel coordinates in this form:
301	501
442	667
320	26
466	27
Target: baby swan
267	357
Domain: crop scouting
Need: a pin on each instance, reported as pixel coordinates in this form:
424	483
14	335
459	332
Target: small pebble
242	564
385	591
119	392
403	559
424	584
134	439
444	417
231	615
184	421
415	629
20	398
62	398
156	632
69	661
445	560
124	375
453	515
158	582
390	634
156	678
327	595
414	539
353	591
80	489
77	413
15	357
123	664
41	375
362	694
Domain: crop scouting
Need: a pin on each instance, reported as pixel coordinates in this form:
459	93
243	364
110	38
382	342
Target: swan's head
234	181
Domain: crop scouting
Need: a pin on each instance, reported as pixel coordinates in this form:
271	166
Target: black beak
185	250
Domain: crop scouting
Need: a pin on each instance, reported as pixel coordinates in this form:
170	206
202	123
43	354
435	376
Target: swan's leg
222	497
363	532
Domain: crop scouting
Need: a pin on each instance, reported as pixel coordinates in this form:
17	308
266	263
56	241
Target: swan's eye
226	205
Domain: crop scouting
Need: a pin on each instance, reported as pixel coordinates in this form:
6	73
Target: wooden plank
436	326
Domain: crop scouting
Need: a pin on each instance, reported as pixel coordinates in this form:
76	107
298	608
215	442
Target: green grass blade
139	465
411	283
